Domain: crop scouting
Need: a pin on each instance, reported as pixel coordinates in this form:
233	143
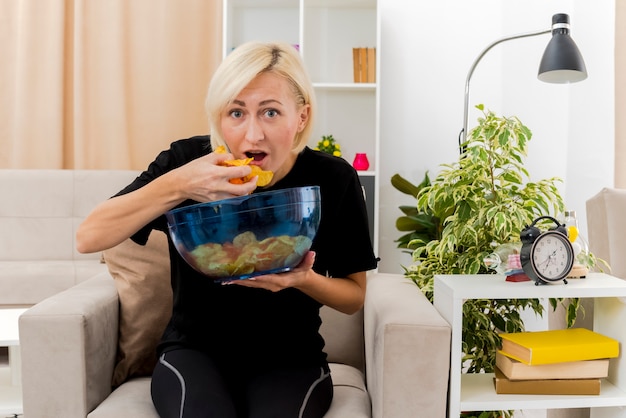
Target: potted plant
472	206
329	145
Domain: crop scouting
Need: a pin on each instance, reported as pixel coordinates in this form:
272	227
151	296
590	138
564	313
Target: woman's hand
343	294
204	180
280	281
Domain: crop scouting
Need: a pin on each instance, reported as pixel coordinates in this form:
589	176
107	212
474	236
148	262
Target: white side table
475	392
11	376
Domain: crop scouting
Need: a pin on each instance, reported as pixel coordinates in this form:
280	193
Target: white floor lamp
561	61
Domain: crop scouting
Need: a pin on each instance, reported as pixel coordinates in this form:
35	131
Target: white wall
427	49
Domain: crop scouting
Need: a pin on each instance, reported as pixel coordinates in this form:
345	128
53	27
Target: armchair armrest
66	341
407	349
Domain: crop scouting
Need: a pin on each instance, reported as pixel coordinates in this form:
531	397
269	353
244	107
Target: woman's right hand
204	180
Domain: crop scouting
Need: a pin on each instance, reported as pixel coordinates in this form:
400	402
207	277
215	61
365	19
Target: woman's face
262	123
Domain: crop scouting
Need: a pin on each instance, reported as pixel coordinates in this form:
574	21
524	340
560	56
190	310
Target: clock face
551	256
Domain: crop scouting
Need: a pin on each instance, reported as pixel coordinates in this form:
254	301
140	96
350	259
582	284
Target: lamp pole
463	136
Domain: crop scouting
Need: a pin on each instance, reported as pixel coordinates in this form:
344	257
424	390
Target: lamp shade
561	61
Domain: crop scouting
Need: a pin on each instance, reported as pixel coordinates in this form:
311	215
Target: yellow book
557	346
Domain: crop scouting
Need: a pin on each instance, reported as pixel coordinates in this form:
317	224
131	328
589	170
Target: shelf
326	32
494	286
327	52
475	392
478	394
243	22
338	106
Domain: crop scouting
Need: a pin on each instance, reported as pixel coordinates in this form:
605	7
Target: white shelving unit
475	392
325	32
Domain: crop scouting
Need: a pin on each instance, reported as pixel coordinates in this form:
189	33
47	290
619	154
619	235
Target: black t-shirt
256	328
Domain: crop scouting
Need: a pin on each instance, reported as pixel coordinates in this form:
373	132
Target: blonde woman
252	348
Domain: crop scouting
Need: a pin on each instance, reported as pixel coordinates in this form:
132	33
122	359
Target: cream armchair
391	360
606	225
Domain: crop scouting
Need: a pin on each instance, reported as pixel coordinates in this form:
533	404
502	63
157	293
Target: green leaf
501	223
404	186
572	311
406	223
464	210
503	138
425	182
512	177
409	210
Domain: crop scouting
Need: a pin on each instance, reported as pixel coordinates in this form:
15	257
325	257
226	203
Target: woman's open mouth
257	156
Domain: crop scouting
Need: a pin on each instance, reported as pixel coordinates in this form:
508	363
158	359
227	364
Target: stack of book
556	362
364	60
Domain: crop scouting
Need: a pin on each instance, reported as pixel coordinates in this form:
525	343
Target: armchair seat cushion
132	399
350	393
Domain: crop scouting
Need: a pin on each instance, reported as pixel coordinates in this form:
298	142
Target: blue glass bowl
243	237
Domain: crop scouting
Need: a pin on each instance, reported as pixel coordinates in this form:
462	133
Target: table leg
15	365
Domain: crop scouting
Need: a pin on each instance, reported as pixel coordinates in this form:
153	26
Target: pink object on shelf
514	262
361	162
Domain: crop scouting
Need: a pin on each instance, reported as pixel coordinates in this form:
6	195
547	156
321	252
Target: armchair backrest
41	209
344	337
606	227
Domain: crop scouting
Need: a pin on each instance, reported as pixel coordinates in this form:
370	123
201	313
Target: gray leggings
188	384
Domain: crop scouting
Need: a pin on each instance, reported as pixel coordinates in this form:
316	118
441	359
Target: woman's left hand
345	294
280	281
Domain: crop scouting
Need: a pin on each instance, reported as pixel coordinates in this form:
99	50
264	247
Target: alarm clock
546	256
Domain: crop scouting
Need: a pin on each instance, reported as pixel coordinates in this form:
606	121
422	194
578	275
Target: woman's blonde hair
241	66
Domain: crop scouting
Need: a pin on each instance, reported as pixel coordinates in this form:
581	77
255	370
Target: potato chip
237	163
265	177
246	255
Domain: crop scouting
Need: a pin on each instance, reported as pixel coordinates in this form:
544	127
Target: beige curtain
620	94
103	84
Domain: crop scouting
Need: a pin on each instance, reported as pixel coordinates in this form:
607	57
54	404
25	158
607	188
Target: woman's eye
271	113
236	113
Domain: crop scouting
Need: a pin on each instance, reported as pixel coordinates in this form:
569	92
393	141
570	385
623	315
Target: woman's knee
291	394
186	384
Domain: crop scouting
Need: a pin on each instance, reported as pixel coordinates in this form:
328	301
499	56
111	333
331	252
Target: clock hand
550	258
543	262
547	259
